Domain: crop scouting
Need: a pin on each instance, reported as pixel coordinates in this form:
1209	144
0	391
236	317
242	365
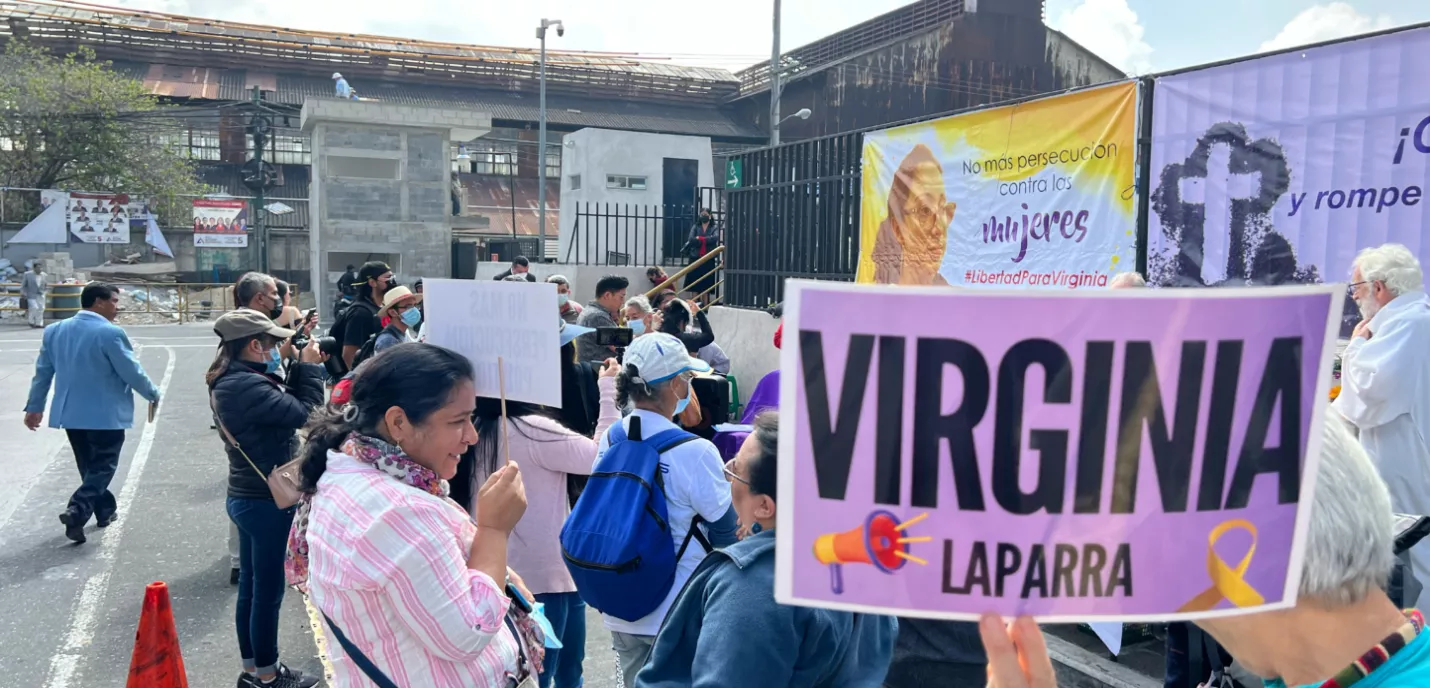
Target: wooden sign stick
501	389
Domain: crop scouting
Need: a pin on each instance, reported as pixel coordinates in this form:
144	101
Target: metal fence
140	302
795	214
623	234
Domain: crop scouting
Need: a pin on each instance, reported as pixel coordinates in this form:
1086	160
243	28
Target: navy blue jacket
725	629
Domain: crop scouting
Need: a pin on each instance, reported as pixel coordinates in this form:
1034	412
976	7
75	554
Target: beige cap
395	296
247	323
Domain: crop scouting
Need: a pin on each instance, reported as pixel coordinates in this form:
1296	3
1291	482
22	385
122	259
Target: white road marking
80	635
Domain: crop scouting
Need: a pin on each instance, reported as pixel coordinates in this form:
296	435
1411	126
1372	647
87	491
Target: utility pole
260	140
541	134
775	81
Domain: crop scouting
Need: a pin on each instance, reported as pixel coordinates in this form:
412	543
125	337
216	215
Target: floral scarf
385	457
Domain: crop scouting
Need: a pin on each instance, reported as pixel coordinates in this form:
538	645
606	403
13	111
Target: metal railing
186	300
716	276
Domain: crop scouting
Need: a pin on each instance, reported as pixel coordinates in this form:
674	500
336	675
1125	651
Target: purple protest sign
1123	455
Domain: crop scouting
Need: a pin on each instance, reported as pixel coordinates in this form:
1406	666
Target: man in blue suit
96	373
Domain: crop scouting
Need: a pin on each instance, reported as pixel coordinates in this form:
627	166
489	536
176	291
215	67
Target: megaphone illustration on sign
880	542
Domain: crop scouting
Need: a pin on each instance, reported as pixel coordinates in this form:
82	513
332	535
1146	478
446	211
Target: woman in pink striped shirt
399	569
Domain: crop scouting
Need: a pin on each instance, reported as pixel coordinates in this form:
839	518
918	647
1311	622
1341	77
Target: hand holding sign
1017	654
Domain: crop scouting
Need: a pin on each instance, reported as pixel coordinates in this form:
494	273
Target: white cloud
1323	23
1110	29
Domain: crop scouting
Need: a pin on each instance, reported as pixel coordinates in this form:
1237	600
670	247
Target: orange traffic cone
157	662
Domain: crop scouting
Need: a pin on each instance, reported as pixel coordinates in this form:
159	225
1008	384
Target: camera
560	30
619	337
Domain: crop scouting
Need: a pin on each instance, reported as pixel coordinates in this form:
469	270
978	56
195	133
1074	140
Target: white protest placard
517	322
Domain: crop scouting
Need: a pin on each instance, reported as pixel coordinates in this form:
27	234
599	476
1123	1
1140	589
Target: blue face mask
684	402
637	327
275	361
411	317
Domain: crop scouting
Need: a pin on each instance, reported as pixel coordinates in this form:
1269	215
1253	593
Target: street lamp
541	135
803	113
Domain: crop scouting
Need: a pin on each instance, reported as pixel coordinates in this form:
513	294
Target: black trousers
96	454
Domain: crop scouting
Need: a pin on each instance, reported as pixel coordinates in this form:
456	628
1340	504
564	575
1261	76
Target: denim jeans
262	546
567	614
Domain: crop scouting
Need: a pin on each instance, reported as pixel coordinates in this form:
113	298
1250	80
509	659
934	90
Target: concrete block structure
382	186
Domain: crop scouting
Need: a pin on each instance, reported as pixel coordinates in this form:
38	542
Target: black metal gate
794	214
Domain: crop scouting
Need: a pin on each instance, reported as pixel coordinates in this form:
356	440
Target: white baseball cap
659	357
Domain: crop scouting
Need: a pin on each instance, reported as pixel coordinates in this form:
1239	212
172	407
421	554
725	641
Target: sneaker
104	521
247	680
74	528
296	677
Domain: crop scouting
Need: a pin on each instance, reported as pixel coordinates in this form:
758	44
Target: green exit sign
734	173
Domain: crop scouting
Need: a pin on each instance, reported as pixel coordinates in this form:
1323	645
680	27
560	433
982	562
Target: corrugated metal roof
561	110
490	208
156	36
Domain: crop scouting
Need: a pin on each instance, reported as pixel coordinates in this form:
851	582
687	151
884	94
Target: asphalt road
68	612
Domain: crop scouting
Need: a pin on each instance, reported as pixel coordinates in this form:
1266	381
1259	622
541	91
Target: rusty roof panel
182	82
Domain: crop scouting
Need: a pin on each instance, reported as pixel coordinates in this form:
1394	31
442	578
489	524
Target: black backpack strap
699	537
369	669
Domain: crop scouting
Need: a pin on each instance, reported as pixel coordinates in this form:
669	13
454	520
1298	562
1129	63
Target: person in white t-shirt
655	380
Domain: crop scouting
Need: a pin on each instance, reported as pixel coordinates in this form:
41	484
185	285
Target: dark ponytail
417	378
631	389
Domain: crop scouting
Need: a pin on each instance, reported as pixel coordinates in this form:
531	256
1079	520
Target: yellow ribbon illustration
1227	582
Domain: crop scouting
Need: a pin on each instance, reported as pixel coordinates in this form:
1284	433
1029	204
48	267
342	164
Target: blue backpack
616	542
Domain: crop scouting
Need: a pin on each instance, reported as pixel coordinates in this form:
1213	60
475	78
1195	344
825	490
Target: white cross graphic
1225	188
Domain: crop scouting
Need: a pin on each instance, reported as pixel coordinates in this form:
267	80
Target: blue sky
1137	35
1178	34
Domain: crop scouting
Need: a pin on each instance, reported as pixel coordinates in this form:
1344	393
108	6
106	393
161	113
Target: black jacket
264	415
529	277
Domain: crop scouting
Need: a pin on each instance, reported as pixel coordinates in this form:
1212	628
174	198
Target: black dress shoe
103	521
233	577
74	528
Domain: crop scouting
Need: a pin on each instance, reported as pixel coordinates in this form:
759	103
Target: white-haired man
1126	280
1342	613
1385	380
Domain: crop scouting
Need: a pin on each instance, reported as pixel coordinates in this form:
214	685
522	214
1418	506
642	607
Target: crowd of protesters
452	540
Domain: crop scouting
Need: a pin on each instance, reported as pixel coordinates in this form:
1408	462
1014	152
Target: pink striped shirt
388	563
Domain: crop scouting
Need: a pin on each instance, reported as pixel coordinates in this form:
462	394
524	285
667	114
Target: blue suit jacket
95	374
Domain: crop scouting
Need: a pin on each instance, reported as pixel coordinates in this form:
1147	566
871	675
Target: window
625	181
553	162
493	157
575	182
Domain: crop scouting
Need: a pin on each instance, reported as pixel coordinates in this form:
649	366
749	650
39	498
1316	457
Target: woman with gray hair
640	316
1343	630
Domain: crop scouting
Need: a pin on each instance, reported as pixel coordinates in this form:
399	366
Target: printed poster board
485	320
932	469
220	223
1038	194
96	218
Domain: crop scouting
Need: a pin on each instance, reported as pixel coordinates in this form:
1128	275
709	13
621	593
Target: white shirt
1385	394
695	482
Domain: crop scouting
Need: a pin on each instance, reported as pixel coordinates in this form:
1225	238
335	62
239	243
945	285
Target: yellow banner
1038	194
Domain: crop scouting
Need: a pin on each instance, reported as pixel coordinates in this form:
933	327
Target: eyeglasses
730	475
1351	288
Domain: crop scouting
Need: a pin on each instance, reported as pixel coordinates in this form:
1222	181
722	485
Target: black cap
371	271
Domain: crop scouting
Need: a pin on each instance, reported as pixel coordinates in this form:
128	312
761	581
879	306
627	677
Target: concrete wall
381	185
595	153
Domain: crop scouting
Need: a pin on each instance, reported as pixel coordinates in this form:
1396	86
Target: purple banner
1279	169
1131	454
